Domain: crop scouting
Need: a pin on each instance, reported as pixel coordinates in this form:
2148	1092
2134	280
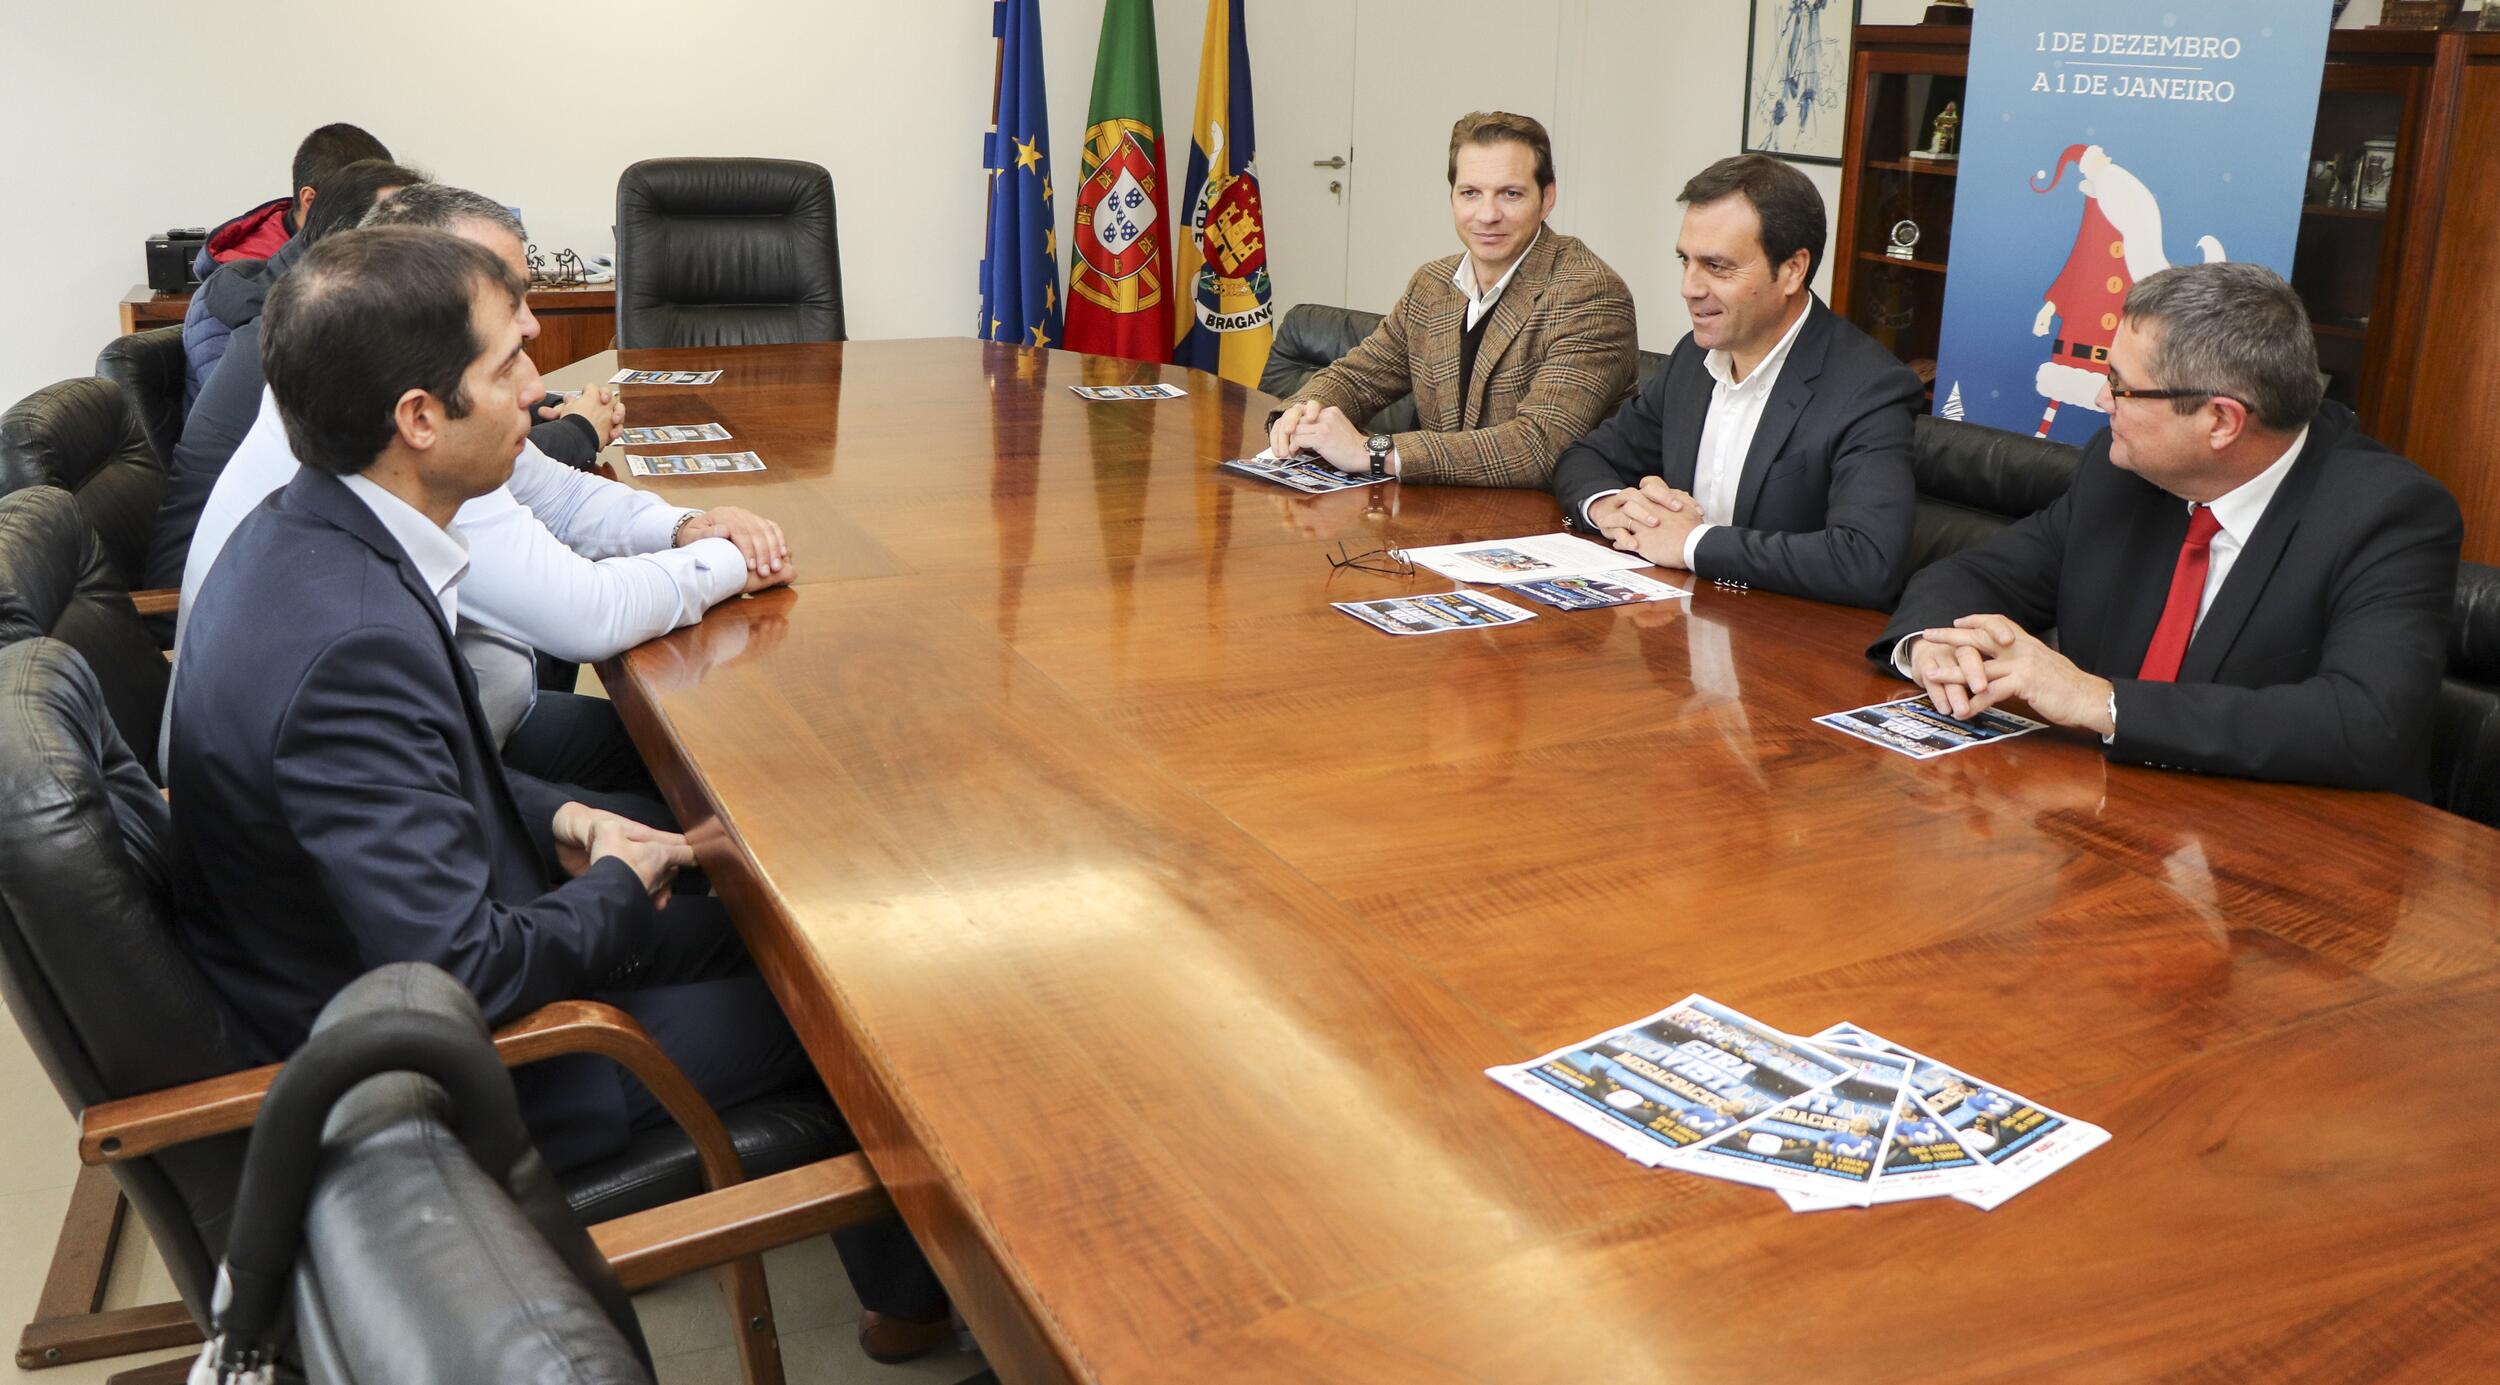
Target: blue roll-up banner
2104	141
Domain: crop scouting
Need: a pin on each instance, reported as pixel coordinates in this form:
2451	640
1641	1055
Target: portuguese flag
1118	269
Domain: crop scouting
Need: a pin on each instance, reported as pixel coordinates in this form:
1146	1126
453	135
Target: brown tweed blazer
1557	358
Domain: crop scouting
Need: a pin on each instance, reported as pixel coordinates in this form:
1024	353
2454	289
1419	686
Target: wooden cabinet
572	322
2404	299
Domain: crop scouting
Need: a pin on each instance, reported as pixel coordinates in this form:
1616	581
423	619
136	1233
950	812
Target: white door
1302	71
1426	66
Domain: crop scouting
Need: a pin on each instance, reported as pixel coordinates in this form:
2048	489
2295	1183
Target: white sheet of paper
1539	558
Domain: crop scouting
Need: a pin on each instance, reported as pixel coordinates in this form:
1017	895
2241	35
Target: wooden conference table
1153	923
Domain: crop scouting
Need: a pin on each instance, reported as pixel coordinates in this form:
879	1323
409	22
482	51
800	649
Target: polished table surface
1153	922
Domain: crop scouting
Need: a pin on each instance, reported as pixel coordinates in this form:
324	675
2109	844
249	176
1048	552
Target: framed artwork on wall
1797	78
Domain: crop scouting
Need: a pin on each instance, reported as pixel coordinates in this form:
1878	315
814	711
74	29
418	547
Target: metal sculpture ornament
1230	227
1118	263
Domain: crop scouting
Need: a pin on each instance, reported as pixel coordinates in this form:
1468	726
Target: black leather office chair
114	1009
2465	739
726	252
1973	481
393	1202
148	366
55	580
84	437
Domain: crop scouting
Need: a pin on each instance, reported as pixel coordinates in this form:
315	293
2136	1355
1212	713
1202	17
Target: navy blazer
337	799
2320	658
1825	503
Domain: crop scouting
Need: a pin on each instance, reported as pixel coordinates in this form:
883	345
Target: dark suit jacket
337	800
1825	503
2320	658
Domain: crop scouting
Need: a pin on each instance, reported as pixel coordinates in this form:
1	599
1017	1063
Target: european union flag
1020	258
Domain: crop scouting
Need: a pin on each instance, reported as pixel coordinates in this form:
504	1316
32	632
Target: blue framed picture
1797	78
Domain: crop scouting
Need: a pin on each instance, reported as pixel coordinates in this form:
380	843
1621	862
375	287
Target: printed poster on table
2102	142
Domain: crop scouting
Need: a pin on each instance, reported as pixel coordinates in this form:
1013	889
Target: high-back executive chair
394	1222
145	1053
148	366
84	437
726	252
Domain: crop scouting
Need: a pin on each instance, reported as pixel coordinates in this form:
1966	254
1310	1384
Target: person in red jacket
257	234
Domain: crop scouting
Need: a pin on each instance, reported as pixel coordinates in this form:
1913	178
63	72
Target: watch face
1379	442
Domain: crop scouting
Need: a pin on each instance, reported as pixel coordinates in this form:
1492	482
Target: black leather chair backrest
89	964
1313	336
55	580
2465	738
415	1232
726	252
1974	480
148	366
84	437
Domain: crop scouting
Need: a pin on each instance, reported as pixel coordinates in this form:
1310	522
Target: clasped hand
586	836
1653	521
1310	426
599	406
1985	660
758	539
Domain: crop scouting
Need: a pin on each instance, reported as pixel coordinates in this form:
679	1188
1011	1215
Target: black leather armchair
84	437
393	1200
2465	739
1973	481
726	252
141	1049
56	580
148	366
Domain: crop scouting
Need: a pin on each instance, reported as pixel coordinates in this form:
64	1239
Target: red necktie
2187	588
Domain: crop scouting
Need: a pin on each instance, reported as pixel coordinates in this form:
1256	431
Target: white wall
113	126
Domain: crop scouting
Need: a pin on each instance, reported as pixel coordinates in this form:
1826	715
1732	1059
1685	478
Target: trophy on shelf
1942	137
1905	237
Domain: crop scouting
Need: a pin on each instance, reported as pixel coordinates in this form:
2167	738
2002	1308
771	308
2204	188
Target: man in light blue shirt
561	561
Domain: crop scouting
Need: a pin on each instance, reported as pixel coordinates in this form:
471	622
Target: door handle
1336	161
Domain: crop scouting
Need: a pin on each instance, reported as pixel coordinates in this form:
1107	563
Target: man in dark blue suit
1774	449
338	802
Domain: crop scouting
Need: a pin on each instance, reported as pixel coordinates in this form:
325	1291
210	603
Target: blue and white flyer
1825	1145
2019	1140
1692	1072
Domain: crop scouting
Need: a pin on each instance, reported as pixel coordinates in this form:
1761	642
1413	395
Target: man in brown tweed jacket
1512	349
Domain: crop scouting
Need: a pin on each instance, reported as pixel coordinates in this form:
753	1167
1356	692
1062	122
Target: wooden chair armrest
157	601
111	1131
714	1228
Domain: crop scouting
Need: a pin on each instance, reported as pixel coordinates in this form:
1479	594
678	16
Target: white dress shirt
1480	303
559	560
1727	434
442	557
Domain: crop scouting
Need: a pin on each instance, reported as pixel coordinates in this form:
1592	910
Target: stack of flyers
673	433
1846	1118
693	463
1915	728
664	377
1309	475
1434	615
1589	593
1101	394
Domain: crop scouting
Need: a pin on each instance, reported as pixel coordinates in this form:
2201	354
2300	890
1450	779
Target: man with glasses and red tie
2237	581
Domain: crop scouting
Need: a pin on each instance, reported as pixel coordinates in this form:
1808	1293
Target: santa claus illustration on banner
2119	242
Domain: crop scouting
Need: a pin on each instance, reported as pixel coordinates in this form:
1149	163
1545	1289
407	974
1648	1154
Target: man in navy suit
338	802
1774	449
2239	580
